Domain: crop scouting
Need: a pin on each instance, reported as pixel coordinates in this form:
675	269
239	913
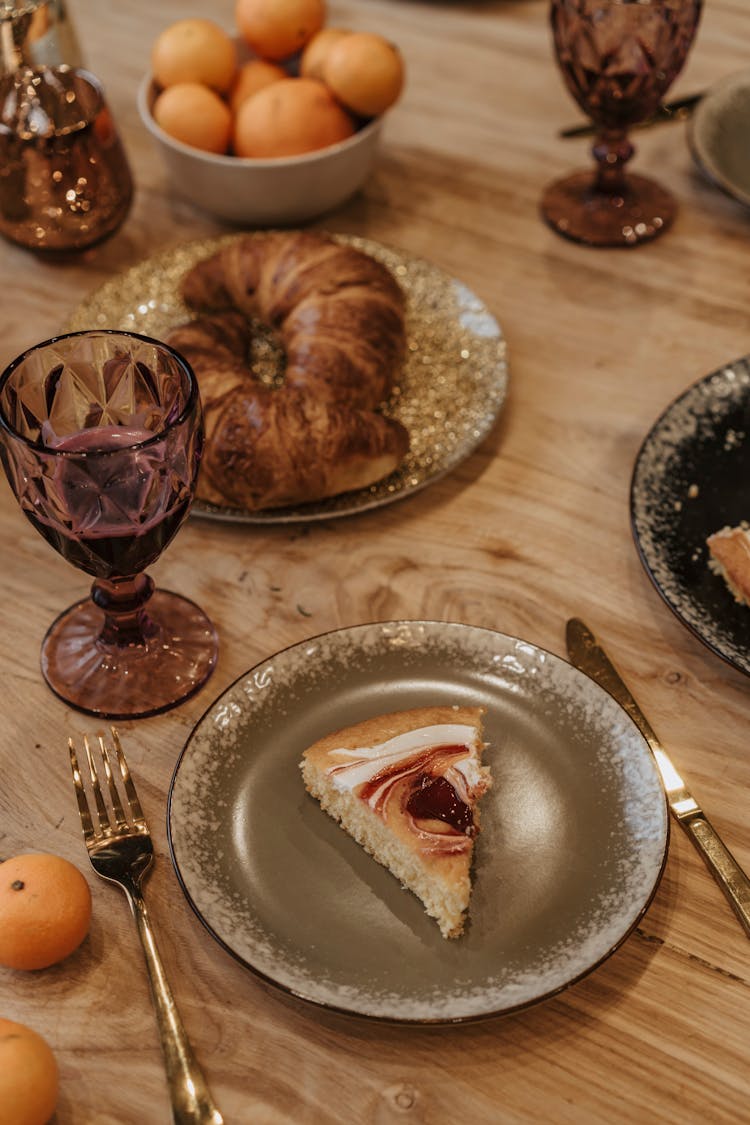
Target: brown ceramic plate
451	389
573	842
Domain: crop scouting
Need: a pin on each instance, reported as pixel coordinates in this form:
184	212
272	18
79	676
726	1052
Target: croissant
338	311
338	314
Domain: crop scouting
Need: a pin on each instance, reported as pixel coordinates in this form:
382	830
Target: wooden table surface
531	529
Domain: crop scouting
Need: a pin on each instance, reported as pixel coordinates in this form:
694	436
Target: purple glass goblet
618	58
101	436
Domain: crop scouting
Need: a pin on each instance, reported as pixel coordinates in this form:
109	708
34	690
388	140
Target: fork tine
83	805
101	808
135	804
114	796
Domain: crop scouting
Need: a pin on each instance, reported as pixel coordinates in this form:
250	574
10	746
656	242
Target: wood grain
530	530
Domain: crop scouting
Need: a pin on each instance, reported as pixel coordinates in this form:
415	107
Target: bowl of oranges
275	123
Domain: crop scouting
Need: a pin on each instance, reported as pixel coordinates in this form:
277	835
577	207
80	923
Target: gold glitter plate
450	391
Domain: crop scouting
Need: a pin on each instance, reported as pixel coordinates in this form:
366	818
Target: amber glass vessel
65	181
618	59
37	33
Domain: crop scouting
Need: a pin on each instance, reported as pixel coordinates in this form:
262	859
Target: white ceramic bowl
284	191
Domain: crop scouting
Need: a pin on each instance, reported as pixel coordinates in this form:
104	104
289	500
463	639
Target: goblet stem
129	650
123	602
607	206
612	151
618	59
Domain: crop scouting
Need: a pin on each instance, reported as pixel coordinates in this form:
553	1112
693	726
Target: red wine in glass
107	546
618	58
102	435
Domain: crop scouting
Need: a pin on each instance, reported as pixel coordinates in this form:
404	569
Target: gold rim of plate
449	394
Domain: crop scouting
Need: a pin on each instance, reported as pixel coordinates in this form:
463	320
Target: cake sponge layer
405	786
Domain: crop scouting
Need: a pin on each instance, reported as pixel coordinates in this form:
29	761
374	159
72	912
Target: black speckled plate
573	841
691	478
718	135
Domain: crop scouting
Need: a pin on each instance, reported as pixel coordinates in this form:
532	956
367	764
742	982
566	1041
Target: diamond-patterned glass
102	438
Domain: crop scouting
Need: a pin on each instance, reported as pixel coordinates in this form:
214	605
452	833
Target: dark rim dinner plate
450	391
691	478
717	135
573	842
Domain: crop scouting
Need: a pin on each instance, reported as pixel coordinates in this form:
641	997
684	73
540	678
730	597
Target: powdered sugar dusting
572	844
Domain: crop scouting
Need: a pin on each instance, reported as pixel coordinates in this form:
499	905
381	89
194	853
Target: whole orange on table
45	910
28	1076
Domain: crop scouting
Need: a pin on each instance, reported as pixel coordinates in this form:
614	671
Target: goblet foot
576	209
130	681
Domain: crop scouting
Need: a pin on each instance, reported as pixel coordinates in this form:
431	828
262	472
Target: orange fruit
365	72
277	29
251	77
289	118
195	115
45	911
313	57
194	50
28	1076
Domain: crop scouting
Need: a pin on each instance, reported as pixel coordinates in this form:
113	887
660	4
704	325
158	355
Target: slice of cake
406	786
730	559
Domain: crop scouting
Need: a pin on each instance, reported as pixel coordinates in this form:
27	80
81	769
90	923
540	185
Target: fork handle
192	1103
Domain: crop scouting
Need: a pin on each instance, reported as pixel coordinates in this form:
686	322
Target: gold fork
120	849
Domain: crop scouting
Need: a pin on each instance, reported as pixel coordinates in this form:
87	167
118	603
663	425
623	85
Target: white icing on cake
367	761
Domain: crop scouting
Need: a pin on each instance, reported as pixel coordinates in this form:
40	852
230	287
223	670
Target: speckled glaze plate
691	478
717	135
573	842
449	395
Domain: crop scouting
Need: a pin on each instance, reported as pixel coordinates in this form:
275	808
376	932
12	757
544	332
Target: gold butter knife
587	655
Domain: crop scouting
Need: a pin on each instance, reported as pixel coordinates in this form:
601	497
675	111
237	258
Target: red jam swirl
425	795
434	798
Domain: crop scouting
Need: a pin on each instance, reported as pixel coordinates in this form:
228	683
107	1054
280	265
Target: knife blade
588	656
677	110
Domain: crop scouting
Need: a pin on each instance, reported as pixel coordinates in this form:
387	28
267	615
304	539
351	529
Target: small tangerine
194	115
365	72
289	118
251	77
28	1076
194	50
278	29
45	910
313	58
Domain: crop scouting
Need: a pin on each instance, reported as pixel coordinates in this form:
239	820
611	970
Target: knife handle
722	865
